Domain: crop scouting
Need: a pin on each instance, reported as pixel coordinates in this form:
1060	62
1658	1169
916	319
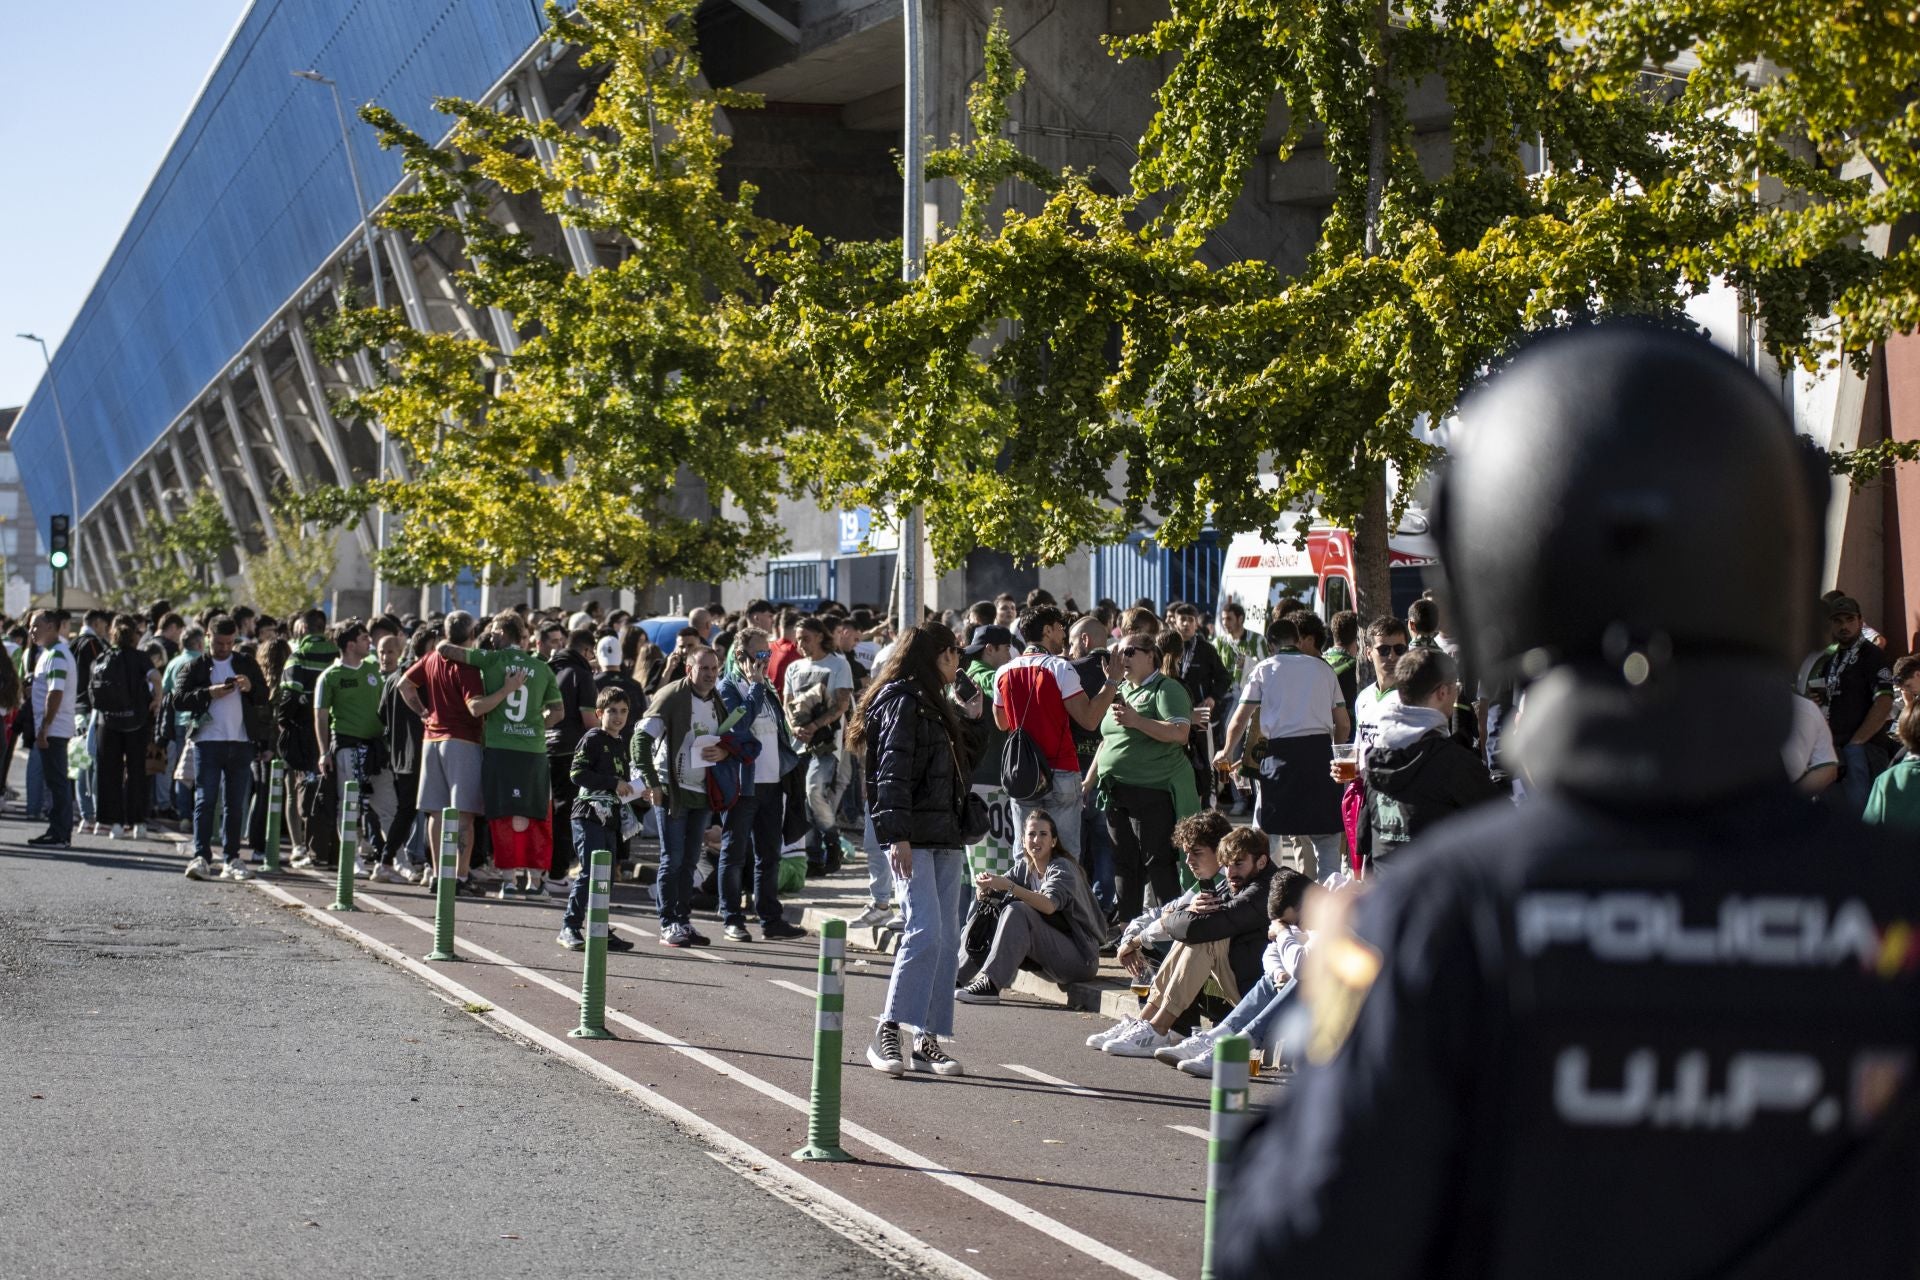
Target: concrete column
328	430
579	243
248	467
276	422
120	523
164	507
213	475
102	567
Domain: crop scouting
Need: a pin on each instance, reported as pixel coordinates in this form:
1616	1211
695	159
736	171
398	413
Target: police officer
1660	1019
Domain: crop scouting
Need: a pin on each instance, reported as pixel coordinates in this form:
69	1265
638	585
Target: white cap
609	652
580	621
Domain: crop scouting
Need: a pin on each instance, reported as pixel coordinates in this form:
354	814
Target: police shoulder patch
1344	973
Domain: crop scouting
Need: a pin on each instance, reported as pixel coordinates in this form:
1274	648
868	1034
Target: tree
630	384
199	534
292	574
997	405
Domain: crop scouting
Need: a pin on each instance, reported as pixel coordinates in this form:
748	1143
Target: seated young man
1219	936
1257	1016
1144	941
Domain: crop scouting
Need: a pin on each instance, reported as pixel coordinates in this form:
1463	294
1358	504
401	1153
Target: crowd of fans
1032	786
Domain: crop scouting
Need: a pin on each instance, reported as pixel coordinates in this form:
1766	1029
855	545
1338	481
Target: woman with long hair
916	760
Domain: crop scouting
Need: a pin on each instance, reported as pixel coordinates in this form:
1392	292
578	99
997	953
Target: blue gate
1139	568
804	584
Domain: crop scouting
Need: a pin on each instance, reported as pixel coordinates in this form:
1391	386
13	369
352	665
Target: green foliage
292	574
568	455
199	534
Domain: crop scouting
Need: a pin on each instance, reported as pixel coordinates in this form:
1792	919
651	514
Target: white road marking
1190	1131
1098	1250
1066	1085
794	987
769	1173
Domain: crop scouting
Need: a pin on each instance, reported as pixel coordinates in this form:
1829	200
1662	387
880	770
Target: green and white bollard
349	845
1230	1116
443	885
593	982
276	801
823	1116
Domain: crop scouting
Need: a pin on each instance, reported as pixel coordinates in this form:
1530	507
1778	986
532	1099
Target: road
196	1043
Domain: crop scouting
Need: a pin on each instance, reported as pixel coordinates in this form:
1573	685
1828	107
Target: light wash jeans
1257	1016
824	786
920	994
87	784
1063	802
879	871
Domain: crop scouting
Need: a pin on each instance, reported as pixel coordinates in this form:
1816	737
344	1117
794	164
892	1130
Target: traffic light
60	542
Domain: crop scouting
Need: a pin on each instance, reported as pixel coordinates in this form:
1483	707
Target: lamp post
912	262
379	286
66	444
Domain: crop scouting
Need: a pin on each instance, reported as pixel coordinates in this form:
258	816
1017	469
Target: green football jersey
519	722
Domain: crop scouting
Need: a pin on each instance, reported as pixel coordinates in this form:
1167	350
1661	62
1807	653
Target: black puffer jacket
913	788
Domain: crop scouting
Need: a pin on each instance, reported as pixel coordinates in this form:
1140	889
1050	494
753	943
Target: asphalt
196	1080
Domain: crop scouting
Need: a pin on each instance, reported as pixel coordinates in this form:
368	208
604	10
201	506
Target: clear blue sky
90	96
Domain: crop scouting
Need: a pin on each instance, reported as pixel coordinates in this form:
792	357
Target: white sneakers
384	874
361	871
1098	1039
1198	1044
1137	1041
872	918
139	831
200	869
235	871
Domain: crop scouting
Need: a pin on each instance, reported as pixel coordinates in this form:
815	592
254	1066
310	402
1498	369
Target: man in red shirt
1040	692
785	649
451	748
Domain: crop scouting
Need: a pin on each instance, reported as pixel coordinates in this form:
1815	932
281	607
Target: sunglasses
762	655
1390	648
1130	650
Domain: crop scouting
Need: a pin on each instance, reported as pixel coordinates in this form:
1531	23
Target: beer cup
1346	764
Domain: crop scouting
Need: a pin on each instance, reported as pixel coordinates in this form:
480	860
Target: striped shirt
54	671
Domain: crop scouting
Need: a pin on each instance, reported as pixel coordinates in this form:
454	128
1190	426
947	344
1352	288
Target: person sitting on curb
1220	936
1145	940
1048	923
1258	1015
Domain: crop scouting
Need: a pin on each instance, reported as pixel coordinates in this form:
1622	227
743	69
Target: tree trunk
1372	568
1372	583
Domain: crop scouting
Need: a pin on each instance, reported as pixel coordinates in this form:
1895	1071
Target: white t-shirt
766	731
1809	743
1372	703
1296	694
830	672
53	671
226	720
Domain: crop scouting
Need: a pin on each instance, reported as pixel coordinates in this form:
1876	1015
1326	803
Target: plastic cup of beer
1142	987
1346	764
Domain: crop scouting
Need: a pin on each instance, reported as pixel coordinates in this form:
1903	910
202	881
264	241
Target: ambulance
1257	572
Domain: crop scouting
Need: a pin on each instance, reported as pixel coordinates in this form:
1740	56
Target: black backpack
111	689
1024	769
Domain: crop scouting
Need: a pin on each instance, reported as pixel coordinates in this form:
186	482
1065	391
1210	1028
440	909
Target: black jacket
1244	919
1203	674
913	788
194	695
404	728
1409	788
575	680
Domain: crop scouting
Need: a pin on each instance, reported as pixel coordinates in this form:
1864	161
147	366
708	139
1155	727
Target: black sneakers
884	1054
980	991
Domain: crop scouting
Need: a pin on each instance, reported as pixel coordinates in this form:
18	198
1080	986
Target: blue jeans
89	776
879	872
1856	780
920	993
52	760
681	832
223	777
1063	802
1257	1016
1096	853
750	837
589	835
37	781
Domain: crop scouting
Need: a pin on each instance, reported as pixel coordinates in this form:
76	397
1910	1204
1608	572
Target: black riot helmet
1622	496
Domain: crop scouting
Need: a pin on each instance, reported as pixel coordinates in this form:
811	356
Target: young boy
601	773
1257	1016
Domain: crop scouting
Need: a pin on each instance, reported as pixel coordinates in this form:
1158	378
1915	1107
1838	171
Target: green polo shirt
351	697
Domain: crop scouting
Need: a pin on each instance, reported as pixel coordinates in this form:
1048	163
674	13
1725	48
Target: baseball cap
1840	606
579	621
609	651
991	634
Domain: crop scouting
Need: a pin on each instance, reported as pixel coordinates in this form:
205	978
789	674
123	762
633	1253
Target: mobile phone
964	688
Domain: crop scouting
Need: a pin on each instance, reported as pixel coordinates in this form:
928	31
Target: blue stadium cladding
252	197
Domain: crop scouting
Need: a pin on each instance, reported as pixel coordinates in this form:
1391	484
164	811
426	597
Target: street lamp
379	287
60	414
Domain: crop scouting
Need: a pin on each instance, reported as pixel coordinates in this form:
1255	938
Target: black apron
1300	798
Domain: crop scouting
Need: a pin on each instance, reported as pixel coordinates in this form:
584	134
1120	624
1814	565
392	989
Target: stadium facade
192	362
